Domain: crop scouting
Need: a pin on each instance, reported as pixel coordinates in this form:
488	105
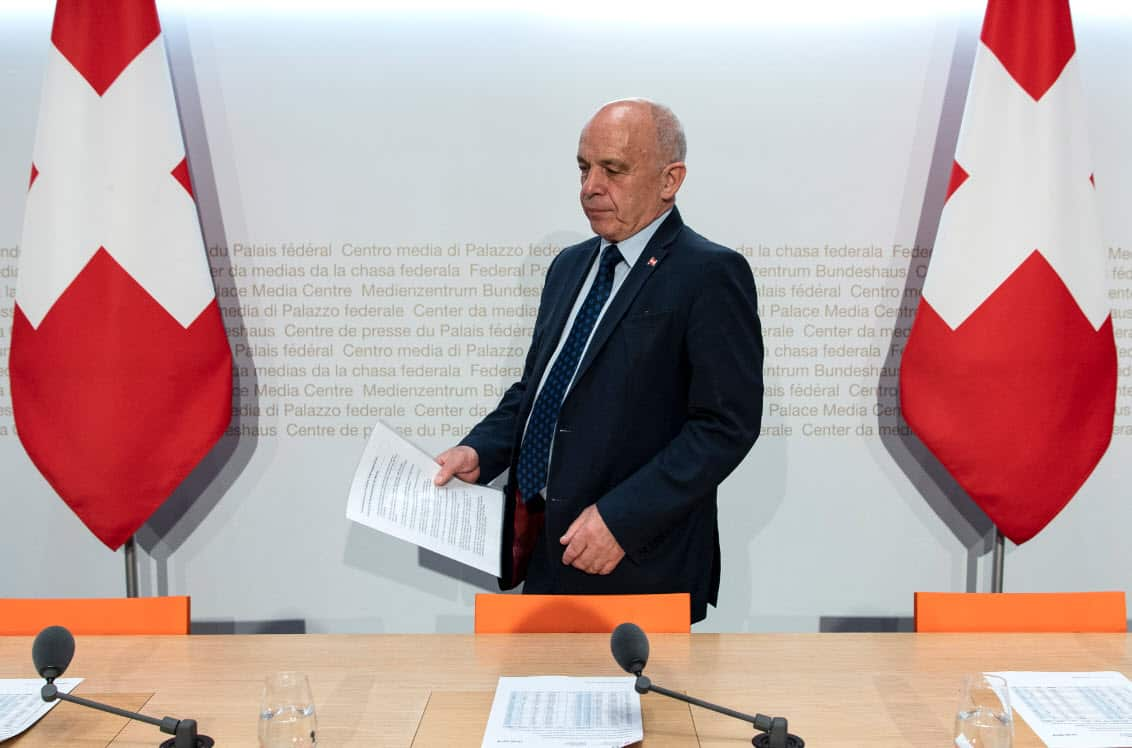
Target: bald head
671	145
631	157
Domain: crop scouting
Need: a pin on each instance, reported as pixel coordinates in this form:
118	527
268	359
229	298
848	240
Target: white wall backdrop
381	192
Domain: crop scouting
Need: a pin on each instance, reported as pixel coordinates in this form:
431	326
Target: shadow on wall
188	506
745	518
481	580
387	558
947	499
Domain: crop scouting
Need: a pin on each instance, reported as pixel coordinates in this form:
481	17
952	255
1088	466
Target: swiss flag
120	369
1009	374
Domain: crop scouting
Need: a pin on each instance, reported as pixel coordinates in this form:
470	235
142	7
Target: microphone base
762	740
202	741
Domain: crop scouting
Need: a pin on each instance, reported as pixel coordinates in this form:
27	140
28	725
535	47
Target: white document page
20	704
393	492
555	710
1074	710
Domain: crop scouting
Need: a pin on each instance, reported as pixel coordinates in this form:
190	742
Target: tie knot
610	256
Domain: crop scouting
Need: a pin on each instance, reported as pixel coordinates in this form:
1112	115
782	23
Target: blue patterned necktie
535	451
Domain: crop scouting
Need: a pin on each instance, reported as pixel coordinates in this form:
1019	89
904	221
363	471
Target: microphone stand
184	731
774	728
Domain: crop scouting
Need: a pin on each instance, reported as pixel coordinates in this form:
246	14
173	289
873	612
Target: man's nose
593	183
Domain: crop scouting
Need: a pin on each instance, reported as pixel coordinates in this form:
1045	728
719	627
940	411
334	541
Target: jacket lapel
656	250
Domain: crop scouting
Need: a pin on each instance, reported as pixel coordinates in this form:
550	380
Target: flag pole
996	569
131	567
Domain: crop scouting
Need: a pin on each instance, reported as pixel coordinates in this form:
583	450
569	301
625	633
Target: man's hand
590	546
462	462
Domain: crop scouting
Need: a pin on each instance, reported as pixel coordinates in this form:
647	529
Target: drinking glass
984	719
286	714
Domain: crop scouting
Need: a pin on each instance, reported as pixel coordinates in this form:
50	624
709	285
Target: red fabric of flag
119	365
1009	374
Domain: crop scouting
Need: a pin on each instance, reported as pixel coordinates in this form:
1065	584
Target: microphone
630	647
52	651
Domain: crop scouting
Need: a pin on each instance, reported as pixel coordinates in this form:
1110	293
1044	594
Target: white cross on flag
120	369
1009	375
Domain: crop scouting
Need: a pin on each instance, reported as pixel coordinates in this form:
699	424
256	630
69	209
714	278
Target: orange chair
1030	612
95	616
582	614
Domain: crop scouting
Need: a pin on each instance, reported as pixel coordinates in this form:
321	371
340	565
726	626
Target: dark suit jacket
665	404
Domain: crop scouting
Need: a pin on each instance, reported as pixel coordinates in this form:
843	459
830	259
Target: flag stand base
130	552
996	568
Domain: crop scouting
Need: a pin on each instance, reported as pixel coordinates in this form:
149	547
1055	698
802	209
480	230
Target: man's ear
671	180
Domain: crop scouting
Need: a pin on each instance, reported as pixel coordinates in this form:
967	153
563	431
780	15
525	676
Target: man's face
624	186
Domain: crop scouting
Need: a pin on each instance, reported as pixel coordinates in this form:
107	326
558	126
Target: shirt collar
632	247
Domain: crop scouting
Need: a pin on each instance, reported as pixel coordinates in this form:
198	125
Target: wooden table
435	690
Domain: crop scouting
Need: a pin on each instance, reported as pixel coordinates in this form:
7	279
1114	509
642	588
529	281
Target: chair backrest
95	616
582	614
1030	612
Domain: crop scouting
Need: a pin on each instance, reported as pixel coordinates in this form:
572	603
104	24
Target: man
642	388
